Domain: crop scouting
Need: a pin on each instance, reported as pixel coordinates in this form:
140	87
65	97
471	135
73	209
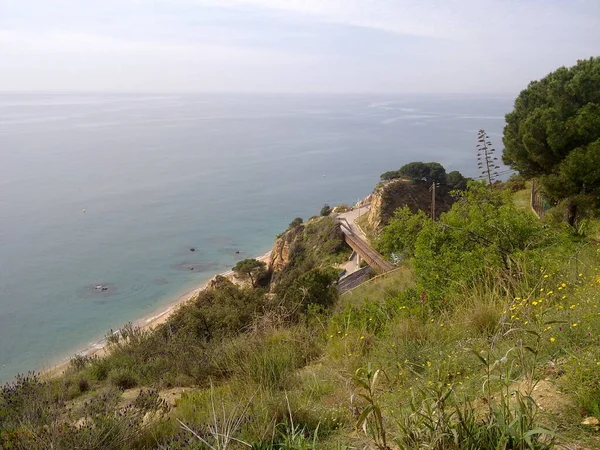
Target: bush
400	235
325	210
483	233
123	378
295	223
99	369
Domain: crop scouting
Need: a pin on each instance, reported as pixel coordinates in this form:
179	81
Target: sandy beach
145	323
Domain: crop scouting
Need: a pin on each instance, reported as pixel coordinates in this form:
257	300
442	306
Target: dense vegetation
447	352
487	336
554	133
431	172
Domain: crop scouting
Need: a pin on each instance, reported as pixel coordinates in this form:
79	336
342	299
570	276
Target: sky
296	46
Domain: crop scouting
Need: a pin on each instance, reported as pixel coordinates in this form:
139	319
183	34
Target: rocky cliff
316	242
394	194
281	252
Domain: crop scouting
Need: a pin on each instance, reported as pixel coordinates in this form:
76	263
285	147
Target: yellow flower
545	276
362	337
572	307
574	324
563	285
552	339
534	303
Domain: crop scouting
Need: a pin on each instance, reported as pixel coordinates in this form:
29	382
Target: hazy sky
291	45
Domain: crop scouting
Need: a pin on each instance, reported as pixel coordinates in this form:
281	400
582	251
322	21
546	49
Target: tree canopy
554	131
249	269
430	172
456	180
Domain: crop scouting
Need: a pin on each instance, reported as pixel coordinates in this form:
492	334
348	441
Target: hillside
487	337
388	196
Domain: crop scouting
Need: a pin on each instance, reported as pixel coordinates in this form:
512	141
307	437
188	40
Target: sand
147	323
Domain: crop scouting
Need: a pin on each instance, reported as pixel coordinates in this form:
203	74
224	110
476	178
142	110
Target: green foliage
315	287
123	378
554	131
438	424
295	223
456	181
430	172
325	210
317	244
400	235
249	268
518	304
370	419
483	231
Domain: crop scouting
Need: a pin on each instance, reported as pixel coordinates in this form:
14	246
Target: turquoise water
158	174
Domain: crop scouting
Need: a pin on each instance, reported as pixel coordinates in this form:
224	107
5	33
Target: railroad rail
366	252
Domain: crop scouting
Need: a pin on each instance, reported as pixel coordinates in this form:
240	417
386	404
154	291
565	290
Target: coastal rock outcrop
391	195
217	281
281	252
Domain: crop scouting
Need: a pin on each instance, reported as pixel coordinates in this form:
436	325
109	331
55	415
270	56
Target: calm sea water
115	189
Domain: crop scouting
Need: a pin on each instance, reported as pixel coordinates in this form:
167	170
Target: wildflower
546	276
574	324
552	339
580	275
362	337
563	285
572	307
534	303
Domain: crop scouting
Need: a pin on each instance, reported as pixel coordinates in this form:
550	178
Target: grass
507	362
522	198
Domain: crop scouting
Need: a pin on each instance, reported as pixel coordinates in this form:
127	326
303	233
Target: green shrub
99	369
325	210
123	378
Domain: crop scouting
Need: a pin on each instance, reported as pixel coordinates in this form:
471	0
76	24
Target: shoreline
98	348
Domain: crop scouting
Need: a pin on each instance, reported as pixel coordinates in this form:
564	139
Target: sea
102	196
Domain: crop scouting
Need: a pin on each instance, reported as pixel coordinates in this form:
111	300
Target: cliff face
281	252
313	243
394	194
